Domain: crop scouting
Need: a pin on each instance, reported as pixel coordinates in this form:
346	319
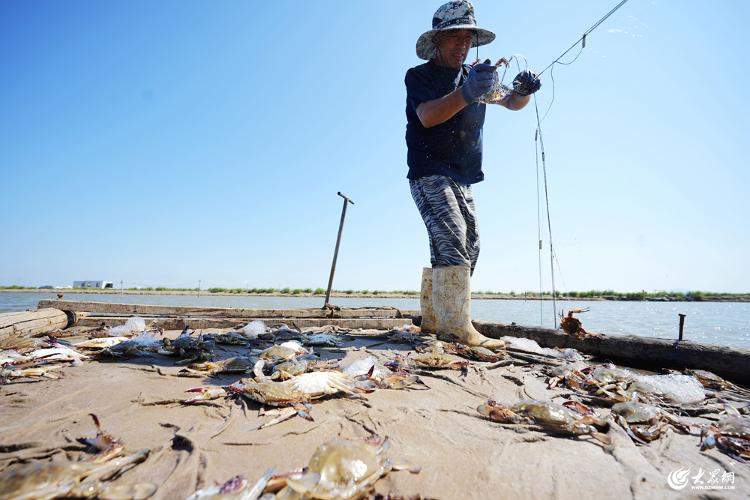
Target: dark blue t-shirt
453	148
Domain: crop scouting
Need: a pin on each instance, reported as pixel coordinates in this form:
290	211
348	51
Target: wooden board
646	352
112	309
203	323
32	322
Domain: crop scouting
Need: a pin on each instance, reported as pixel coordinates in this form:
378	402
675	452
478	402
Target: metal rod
338	243
682	323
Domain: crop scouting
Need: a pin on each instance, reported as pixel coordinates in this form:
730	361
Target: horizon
172	143
318	290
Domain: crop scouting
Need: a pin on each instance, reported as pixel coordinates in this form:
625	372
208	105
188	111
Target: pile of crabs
339	468
595	396
286	370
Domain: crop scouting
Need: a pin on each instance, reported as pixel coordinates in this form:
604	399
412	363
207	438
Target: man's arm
441	110
514	101
437	111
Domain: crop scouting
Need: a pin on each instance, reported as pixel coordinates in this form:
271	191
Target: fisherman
444	140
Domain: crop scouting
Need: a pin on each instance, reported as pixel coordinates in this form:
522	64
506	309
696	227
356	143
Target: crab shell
299	389
341	468
637	413
438	361
557	417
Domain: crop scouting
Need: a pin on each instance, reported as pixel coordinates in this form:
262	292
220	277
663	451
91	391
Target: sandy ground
460	455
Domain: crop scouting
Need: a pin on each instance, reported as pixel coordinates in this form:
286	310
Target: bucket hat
455	15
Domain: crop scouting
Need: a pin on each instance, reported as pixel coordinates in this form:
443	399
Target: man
444	139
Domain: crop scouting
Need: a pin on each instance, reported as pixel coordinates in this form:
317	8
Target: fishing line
538	139
582	40
539	151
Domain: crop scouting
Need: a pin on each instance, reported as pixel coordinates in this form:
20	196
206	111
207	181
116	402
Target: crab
645	423
571	375
731	435
57	354
300	389
551	417
298	366
435	358
282	352
229	338
404	337
237	487
712	381
239	364
38	371
188	348
572	325
340	468
144	342
103	444
605	382
98	343
321	339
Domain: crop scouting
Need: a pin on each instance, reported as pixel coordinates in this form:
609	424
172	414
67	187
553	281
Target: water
720	323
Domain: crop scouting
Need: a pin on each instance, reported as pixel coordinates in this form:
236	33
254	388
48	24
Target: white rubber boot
451	300
429	322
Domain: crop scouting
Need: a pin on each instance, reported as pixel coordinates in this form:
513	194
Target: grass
606	294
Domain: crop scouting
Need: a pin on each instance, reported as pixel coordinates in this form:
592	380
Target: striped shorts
447	209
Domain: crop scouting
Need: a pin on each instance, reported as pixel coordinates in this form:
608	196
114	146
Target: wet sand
460	455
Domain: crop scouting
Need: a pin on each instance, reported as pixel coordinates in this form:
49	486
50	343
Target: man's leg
440	208
445	207
468	210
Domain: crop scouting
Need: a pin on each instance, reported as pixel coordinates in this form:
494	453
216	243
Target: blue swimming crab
188	348
340	469
731	435
551	417
644	422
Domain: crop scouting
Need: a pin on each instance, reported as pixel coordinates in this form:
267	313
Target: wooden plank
111	309
646	352
203	323
32	322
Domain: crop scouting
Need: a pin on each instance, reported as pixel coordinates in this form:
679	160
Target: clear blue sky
165	142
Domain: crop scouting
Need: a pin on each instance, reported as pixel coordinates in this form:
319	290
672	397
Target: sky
163	143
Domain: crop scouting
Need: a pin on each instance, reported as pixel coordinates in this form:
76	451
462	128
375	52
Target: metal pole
338	242
682	324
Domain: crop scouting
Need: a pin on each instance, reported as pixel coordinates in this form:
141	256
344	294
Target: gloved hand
479	82
526	83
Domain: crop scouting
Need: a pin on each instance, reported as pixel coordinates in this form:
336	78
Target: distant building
93	284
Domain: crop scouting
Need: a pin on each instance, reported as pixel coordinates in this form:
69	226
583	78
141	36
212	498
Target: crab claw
205	394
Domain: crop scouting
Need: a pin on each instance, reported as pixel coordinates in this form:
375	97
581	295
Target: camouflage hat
455	15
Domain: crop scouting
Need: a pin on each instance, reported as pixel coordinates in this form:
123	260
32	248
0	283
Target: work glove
479	82
526	83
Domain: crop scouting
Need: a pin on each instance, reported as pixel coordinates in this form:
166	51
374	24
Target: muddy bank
436	428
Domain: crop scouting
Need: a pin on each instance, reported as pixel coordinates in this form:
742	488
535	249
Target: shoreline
360	295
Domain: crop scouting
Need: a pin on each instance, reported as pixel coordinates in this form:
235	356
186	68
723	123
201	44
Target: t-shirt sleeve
418	89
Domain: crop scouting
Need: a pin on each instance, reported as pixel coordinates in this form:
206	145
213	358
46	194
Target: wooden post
682	324
336	251
28	323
